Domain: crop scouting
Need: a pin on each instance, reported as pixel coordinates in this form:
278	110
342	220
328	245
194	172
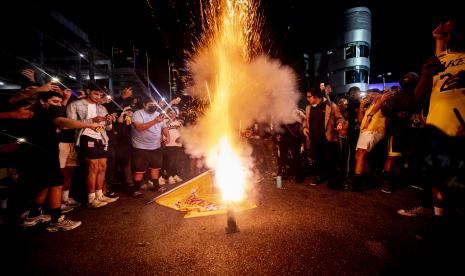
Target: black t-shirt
43	135
317	122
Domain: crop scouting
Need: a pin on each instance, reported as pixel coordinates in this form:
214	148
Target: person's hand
98	119
46	87
67	94
109	118
175	101
387	95
22	113
29	74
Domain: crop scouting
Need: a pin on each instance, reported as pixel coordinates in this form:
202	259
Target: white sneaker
171	180
177	178
63	225
161	181
108	199
94	204
72	203
28	222
66	208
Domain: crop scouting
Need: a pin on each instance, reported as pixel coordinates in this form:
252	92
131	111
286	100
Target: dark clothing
172	156
143	159
403	123
67	136
317	123
40	166
92	148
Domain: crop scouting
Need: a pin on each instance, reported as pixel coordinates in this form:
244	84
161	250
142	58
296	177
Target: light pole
384	78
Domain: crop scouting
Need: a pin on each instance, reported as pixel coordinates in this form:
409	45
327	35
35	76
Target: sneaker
416	186
66	208
147	185
161	189
386	188
415	212
171	180
108	199
177	178
28	222
94	204
63	225
161	181
72	203
136	193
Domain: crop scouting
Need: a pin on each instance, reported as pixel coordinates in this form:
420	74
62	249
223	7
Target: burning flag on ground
199	197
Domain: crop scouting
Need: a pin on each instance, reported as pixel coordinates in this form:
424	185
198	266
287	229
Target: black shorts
92	148
143	159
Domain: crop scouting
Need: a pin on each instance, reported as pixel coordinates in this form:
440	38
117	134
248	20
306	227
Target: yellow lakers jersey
448	93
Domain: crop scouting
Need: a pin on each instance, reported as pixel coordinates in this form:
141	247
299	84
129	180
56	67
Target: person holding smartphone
148	129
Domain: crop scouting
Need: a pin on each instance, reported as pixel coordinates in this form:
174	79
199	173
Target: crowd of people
412	134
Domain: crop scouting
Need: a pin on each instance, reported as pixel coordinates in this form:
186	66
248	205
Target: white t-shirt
92	113
174	128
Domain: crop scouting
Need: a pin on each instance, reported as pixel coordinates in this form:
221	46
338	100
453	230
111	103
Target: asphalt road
298	230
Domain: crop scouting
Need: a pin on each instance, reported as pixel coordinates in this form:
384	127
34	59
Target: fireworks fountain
242	86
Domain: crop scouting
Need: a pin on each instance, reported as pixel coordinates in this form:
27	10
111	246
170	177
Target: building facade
349	58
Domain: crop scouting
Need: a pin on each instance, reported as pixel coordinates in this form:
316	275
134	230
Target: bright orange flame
230	174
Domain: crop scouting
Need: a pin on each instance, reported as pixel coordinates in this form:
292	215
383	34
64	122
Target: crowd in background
55	140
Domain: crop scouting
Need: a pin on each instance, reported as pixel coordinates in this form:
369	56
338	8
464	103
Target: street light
384	78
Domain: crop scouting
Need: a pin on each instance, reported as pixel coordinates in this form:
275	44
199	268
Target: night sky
401	34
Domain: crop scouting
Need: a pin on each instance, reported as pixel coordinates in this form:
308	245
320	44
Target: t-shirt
92	113
150	138
174	128
447	94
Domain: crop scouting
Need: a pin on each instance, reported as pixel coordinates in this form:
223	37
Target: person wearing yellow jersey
440	153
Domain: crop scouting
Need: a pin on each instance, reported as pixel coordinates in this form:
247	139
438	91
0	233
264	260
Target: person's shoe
108	199
28	222
387	188
161	189
317	181
416	186
353	183
171	180
416	211
71	202
94	204
161	181
63	225
177	178
136	193
65	208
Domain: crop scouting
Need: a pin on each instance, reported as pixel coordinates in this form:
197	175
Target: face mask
151	109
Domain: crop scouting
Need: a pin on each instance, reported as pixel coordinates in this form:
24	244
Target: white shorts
368	140
68	155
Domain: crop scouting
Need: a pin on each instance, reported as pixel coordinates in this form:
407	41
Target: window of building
357	49
364	51
356	75
351	51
